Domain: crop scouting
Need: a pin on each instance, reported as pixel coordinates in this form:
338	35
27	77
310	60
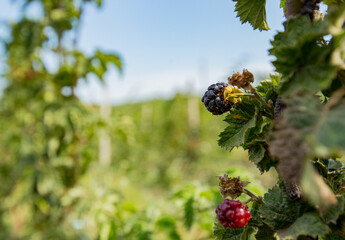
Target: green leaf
218	230
329	167
321	167
334	172
330	134
168	224
333	236
255	215
336	84
334	165
334	211
301	59
110	58
222	233
259	132
231	234
98	2
279	211
257	154
241	119
282	4
303	111
329	2
335	20
189	212
312	76
253	12
309	224
185	191
269	87
100	61
264	233
248	232
315	190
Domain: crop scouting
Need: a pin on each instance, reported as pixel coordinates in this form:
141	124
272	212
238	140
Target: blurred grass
161	181
157	153
156	136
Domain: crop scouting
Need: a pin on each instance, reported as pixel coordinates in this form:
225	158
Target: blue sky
169	46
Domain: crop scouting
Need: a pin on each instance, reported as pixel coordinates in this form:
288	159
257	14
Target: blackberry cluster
280	106
308	7
233	214
214	99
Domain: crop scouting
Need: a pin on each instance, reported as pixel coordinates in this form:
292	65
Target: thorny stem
341	75
252	196
292	8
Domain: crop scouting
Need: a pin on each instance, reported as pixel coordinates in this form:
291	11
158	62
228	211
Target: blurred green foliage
53	183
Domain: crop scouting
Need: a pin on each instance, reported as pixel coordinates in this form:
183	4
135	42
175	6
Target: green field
165	157
146	171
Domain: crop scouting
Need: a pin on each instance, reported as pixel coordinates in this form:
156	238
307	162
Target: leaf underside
253	12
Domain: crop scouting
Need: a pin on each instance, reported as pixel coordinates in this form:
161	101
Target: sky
168	46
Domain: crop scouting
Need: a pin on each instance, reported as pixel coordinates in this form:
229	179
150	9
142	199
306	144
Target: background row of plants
55	183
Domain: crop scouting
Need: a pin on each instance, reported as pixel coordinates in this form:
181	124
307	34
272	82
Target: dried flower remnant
231	187
242	80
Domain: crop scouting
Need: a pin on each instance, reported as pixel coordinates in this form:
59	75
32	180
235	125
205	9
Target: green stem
262	101
252	196
292	8
268	115
240	94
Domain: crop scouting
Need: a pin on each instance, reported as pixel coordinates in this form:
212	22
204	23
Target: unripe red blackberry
233	214
214	99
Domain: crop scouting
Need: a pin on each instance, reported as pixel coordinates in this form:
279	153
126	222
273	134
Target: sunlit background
166	46
137	158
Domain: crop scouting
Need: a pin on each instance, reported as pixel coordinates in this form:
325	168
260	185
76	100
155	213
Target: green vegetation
72	171
161	181
294	123
148	170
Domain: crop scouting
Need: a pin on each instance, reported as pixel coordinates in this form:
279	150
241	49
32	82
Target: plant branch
268	115
252	196
292	8
240	94
77	27
262	101
341	75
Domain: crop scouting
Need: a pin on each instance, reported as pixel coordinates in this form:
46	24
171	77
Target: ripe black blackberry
232	214
214	99
308	7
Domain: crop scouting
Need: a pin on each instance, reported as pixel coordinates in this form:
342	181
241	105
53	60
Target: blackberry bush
292	122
